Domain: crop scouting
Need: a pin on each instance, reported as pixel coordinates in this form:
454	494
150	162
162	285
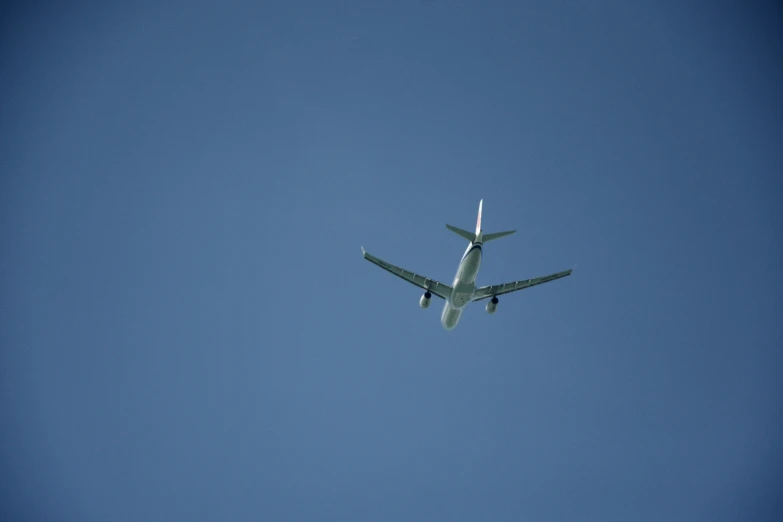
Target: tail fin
478	221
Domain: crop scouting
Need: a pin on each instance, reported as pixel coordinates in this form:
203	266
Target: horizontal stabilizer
495	235
470	236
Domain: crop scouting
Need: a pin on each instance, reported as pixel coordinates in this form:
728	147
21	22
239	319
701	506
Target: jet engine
492	305
424	302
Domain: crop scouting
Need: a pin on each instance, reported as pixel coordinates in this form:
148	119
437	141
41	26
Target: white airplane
463	289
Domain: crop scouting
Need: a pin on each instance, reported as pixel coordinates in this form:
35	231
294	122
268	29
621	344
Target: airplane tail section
470	236
479	235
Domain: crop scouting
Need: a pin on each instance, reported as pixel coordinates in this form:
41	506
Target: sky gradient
189	331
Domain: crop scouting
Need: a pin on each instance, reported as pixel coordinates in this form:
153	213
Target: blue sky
189	331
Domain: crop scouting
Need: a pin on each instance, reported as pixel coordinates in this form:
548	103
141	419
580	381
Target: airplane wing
490	291
439	289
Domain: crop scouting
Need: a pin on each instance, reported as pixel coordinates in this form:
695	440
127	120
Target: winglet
364	252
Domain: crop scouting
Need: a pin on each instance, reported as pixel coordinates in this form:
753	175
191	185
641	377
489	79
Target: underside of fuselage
463	287
450	316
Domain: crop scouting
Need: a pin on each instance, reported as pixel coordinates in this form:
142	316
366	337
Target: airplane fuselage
464	286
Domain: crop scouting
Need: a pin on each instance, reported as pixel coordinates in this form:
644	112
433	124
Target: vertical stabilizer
478	221
470	236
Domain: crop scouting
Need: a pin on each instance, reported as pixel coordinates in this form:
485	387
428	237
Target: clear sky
189	331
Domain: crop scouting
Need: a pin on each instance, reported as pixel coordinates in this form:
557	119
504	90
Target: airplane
463	289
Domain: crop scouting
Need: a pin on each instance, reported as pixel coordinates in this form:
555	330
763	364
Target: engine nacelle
492	305
424	302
